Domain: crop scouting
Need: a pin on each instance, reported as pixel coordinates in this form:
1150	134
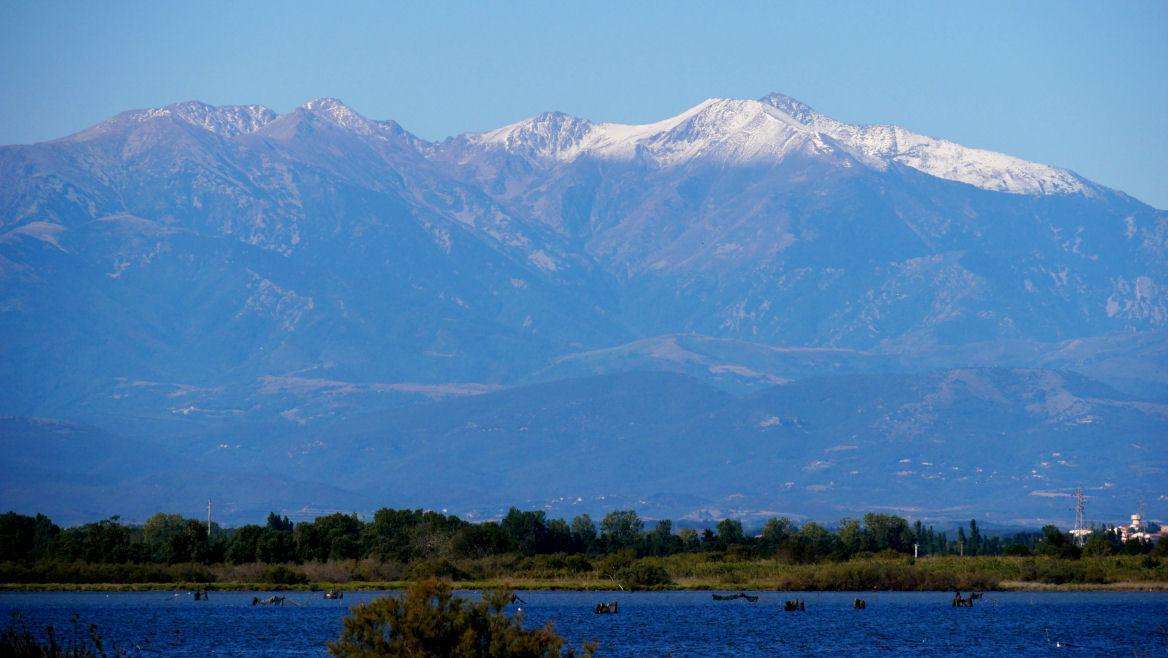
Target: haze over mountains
749	308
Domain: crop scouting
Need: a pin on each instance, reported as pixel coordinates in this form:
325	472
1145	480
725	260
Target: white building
1137	529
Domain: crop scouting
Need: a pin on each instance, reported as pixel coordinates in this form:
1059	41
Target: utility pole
1080	509
208	518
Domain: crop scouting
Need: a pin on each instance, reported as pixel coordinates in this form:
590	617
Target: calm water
650	624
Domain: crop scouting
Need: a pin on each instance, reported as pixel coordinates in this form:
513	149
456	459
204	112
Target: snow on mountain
724	129
721	130
552	135
342	115
768	130
224	120
229	120
880	145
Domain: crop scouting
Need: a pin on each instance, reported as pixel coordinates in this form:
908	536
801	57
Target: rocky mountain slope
195	275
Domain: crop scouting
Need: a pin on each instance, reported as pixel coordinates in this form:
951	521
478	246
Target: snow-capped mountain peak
768	130
881	145
723	129
733	131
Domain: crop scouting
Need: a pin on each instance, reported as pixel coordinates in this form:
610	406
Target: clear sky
1083	85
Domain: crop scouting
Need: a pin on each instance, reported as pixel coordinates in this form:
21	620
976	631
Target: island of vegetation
527	550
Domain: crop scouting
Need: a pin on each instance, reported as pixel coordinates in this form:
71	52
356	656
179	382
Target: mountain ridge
875	143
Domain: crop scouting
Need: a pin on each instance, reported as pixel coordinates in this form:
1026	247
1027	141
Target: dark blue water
650	624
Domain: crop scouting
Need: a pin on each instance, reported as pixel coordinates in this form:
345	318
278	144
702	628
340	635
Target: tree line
405	536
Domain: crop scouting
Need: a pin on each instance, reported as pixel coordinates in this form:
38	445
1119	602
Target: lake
649	624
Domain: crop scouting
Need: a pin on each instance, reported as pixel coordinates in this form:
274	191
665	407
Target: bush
610	566
282	575
431	621
642	575
560	562
1017	550
436	568
378	570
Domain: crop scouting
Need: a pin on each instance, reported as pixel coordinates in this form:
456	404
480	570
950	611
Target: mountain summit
767	130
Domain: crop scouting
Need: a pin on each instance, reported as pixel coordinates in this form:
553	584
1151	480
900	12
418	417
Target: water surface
649	624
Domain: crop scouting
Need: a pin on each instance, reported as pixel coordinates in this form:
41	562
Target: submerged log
606	608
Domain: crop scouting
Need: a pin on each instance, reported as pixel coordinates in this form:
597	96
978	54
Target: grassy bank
686	571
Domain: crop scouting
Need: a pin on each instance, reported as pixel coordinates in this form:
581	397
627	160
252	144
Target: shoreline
530	585
1027	586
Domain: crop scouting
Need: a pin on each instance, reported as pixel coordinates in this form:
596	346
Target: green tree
584	532
106	541
1100	544
975	539
275	546
163	535
689	539
853	539
559	538
527	530
330	537
888	532
1135	547
1161	548
27	538
776	532
621	528
1056	543
242	544
279	523
403	535
661	540
730	532
476	540
812	543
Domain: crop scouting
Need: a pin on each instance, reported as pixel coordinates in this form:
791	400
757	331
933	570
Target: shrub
560	562
377	570
577	564
282	575
431	621
436	568
642	575
1018	550
610	566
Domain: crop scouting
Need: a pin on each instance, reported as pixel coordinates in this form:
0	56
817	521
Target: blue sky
1082	85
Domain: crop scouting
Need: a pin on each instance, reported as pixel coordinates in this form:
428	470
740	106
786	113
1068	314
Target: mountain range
749	307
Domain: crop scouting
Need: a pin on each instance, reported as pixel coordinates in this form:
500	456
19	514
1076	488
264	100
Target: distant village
1138	529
